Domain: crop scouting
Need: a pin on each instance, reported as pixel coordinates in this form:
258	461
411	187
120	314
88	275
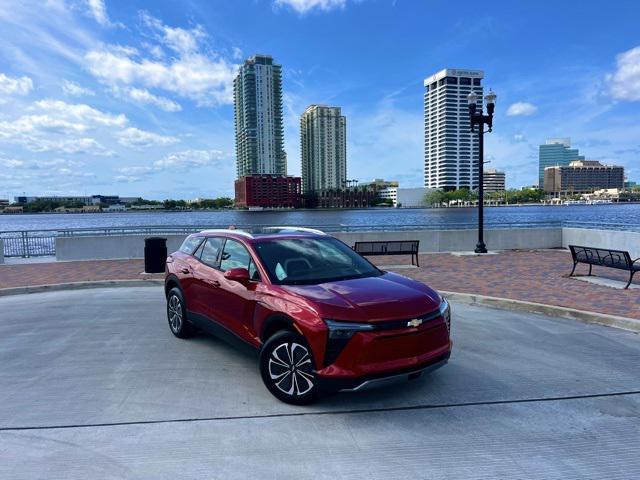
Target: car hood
387	297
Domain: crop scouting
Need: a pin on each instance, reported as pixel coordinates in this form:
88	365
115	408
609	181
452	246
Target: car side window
234	255
210	251
254	274
190	244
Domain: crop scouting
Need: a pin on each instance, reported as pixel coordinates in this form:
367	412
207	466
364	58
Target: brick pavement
534	276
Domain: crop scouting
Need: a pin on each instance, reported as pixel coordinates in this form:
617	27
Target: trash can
155	254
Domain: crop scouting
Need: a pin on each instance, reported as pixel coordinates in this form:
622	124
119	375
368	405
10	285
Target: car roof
266	233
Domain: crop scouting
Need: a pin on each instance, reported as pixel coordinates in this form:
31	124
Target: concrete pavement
93	385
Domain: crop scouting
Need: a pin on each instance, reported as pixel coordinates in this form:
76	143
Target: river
622	214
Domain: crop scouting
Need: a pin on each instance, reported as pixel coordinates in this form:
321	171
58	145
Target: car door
207	277
185	264
236	301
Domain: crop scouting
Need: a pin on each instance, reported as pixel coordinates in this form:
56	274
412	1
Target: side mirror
239	274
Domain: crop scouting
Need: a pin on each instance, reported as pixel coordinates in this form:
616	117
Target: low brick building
268	191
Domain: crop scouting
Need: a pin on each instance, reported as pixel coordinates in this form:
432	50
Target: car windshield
304	261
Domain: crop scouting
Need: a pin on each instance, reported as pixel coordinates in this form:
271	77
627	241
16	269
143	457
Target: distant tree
435	197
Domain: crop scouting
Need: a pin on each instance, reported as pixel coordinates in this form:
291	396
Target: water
624	214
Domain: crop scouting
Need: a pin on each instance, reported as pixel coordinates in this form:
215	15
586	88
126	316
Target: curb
56	287
623	323
615	321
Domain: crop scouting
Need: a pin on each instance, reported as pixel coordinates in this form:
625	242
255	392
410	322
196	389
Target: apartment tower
257	92
323	145
450	149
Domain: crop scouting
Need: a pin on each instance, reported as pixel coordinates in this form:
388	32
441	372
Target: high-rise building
257	92
557	152
450	149
494	180
323	145
582	176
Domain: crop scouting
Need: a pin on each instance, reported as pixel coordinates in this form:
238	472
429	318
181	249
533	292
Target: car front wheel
177	314
287	368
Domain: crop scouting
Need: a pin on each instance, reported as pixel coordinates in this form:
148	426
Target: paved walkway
533	276
523	397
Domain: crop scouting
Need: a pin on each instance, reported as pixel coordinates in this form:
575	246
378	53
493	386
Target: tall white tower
450	149
323	145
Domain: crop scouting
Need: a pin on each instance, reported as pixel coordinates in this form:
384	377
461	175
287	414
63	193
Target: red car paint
254	310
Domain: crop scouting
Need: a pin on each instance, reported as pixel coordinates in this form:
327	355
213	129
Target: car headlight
445	311
345	330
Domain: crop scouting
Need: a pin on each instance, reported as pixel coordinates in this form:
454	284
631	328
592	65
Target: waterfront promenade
539	276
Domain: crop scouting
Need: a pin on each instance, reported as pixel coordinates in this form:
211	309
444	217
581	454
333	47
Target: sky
134	98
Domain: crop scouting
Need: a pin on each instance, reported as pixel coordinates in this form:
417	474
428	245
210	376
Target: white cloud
75	90
191	159
79	112
18	85
98	10
57	126
624	84
521	109
178	39
304	6
183	160
142	96
134	137
194	72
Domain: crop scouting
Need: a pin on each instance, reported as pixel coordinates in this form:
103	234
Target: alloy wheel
175	314
290	369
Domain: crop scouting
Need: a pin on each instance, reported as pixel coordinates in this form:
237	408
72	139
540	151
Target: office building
405	197
582	176
323	146
450	149
268	191
557	152
494	181
257	92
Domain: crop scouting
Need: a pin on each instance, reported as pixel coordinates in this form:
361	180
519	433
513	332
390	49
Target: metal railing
33	243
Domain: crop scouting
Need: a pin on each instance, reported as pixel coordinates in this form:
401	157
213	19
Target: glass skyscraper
557	152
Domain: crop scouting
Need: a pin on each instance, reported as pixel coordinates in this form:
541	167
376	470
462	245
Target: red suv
323	317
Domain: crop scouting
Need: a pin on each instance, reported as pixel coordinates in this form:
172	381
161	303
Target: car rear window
189	245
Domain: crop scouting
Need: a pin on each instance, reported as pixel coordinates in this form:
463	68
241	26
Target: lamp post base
481	248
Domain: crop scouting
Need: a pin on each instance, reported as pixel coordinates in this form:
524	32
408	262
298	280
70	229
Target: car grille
396	324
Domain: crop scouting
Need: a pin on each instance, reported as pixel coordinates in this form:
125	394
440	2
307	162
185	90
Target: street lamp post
480	119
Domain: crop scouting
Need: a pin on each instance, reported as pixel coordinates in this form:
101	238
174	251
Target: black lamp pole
478	118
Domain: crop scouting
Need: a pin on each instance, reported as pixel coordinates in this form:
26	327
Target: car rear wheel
287	368
177	314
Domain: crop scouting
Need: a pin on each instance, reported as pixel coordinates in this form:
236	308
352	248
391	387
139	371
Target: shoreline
288	210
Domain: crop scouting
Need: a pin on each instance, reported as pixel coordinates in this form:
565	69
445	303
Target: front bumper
381	380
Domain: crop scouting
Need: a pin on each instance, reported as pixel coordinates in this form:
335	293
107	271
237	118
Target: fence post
25	245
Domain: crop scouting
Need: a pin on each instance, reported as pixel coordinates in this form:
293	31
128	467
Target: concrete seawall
132	246
616	240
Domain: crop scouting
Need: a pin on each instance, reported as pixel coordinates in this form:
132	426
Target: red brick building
268	191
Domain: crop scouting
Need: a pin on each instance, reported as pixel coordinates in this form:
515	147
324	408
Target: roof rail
297	229
227	230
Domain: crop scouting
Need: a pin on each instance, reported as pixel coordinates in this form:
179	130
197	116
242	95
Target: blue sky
134	98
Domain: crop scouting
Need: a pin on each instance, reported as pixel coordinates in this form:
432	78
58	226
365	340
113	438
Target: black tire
177	314
287	368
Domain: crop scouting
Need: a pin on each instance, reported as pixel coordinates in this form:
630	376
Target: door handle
213	283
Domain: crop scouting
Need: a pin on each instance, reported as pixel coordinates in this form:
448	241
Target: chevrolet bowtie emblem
416	322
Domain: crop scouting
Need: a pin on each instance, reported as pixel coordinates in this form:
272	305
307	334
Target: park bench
604	257
389	247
